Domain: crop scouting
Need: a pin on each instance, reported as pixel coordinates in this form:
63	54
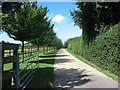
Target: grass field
111	75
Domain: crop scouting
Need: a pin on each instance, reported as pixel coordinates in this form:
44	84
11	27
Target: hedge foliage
75	45
103	51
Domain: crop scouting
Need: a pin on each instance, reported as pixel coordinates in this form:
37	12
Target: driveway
71	73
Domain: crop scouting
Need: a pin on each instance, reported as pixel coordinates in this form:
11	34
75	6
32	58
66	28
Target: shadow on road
52	55
50	61
68	78
64	78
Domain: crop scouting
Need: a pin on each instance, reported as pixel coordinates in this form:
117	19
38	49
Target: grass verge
44	75
106	72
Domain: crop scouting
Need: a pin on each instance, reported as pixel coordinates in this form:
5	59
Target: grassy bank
111	75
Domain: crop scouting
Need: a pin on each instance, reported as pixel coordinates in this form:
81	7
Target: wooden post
7	75
17	75
16	69
1	68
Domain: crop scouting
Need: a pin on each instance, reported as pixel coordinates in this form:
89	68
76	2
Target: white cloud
58	18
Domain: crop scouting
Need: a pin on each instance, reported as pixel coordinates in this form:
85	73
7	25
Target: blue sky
59	12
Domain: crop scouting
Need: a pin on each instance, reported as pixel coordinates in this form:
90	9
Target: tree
44	33
109	13
92	17
21	25
57	43
29	24
16	24
11	7
86	20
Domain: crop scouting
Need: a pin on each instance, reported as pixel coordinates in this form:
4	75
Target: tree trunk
43	49
38	47
22	49
47	48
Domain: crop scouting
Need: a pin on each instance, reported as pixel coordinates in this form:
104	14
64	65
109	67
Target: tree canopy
92	17
30	24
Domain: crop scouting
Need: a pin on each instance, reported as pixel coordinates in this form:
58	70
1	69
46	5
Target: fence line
22	71
11	73
29	69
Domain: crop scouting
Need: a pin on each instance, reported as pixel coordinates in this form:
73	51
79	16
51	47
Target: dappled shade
70	78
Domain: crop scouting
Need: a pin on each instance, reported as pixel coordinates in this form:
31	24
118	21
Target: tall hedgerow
104	51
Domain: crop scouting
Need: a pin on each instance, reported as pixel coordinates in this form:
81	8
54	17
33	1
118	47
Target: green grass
109	74
45	74
9	66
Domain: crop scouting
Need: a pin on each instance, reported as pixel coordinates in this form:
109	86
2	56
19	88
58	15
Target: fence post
38	60
17	76
1	68
7	58
16	66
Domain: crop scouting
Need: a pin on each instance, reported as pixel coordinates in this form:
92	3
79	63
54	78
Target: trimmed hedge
103	51
75	45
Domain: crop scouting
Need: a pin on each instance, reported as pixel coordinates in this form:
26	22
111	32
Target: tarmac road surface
72	73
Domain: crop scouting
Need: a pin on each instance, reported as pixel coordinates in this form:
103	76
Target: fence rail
11	73
22	69
30	67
